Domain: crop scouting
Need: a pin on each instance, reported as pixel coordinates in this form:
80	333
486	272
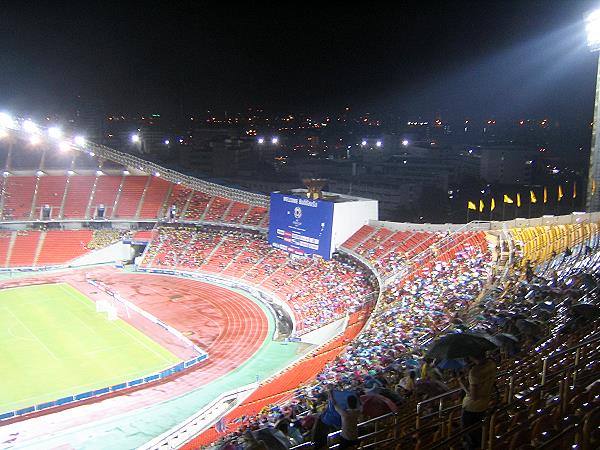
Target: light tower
592	28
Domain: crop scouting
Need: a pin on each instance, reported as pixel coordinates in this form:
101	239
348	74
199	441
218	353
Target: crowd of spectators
318	291
389	358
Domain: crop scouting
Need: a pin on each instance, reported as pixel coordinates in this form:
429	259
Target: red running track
229	326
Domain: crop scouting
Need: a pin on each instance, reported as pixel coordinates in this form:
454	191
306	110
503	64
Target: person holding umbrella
478	386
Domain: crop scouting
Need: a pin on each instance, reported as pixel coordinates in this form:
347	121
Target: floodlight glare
378	144
167	142
54	132
79	140
3	133
135	138
261	140
363	143
30	127
405	142
592	28
34	140
64	146
6	121
274	140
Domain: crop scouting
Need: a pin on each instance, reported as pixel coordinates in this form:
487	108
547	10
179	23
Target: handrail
565	352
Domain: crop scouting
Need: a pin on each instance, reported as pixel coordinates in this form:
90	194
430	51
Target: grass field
53	344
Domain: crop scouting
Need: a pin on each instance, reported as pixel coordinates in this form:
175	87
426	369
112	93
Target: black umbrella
529	327
460	345
586	310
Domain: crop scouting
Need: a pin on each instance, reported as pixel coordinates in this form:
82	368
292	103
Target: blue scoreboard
300	225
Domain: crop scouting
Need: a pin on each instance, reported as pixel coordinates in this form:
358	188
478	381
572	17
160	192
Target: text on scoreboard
300	225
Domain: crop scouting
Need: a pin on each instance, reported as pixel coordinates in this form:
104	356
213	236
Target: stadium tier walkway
143	417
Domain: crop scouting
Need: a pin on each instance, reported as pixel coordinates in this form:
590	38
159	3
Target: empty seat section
143	235
256	215
236	212
23	252
217	209
61	246
178	199
4	244
373	241
51	190
197	205
154	198
132	191
18	197
105	194
358	237
78	196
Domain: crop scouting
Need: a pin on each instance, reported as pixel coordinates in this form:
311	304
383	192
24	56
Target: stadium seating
50	191
24	249
154	199
130	196
317	291
79	189
60	247
18	197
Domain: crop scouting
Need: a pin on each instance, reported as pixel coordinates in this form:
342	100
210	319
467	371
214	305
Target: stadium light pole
592	28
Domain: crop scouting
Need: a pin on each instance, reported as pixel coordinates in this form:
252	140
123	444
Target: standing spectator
478	388
350	416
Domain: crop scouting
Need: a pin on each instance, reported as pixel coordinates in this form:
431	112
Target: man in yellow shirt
478	386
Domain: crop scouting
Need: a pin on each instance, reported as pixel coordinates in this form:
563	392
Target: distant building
507	164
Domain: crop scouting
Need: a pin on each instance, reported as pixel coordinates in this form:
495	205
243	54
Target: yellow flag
574	189
481	205
545	194
472	206
560	192
493	205
518	200
507	199
533	197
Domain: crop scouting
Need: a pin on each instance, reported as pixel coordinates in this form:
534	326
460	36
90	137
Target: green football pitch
54	344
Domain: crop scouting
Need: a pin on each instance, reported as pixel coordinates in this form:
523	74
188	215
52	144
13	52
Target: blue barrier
20	412
118	387
7	415
101	391
151	378
44	405
64	401
84	395
136	382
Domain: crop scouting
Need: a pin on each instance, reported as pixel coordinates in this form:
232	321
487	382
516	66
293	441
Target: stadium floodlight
3	133
592	28
54	132
378	144
64	146
261	140
135	138
6	121
99	172
79	140
70	172
167	142
405	142
274	140
30	127
5	173
126	172
157	174
39	173
34	140
363	143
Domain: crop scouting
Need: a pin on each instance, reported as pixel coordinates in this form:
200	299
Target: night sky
459	59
